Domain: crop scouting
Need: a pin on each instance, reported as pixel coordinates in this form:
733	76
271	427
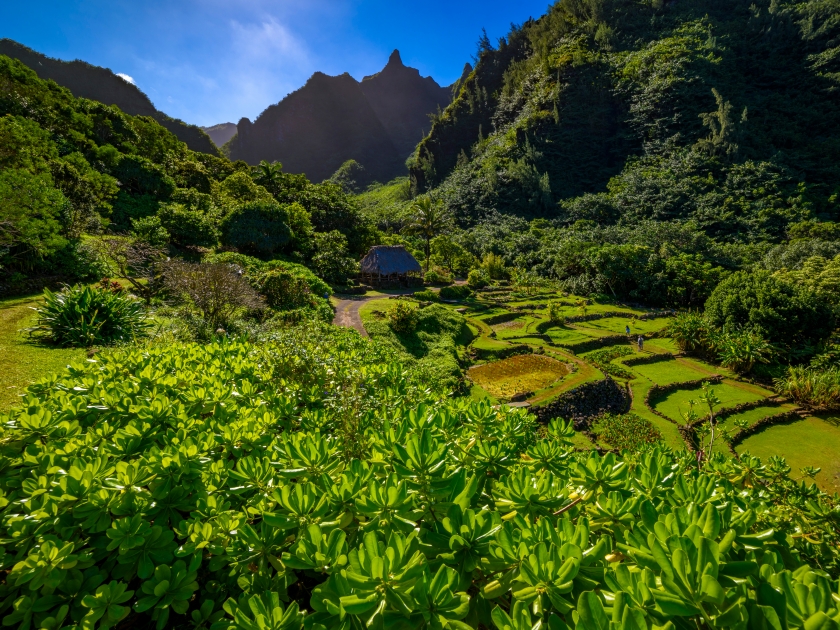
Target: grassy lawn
662	345
728	393
667	372
615	325
809	442
563	335
23	361
670	434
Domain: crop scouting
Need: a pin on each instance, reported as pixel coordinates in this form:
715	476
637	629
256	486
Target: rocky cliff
220	134
330	120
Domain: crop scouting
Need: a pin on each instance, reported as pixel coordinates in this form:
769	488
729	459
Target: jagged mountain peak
395	60
377	122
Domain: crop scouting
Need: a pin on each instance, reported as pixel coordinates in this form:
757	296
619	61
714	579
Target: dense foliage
72	169
87	316
627	432
428	337
314	482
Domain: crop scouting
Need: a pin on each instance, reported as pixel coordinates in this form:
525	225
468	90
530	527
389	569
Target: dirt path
347	308
347	313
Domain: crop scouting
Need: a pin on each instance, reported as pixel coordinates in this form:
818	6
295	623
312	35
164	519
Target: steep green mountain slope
101	84
726	112
73	170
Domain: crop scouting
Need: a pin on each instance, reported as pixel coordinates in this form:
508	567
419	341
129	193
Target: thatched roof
389	259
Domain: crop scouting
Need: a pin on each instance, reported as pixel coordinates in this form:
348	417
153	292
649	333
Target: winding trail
347	308
347	313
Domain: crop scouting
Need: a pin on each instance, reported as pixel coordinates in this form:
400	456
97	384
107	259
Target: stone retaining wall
585	403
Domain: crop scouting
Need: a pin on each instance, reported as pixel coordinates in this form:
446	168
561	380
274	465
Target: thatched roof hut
387	264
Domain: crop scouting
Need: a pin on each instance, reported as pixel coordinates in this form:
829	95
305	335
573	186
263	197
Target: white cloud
126	78
266	38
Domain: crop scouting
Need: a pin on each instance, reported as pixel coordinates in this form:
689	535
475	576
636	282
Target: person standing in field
641	343
627	329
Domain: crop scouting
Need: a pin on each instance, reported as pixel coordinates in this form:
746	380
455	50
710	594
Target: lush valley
609	400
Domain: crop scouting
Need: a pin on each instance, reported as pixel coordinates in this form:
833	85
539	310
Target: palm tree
429	218
268	175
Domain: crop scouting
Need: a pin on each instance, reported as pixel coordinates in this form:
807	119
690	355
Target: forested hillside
82	185
616	111
101	84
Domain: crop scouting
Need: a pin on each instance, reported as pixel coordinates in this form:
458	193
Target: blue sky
211	61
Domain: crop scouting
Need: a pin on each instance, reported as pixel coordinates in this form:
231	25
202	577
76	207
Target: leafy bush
191	484
402	317
217	290
426	296
495	267
190	226
603	360
150	230
257	228
555	313
457	292
478	279
784	315
627	432
689	330
87	316
332	261
283	290
741	351
433	276
812	387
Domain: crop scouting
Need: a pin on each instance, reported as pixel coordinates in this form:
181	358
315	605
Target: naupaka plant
213	487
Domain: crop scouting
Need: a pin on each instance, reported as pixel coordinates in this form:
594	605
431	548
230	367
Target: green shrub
627	432
257	228
603	360
812	387
175	485
189	226
741	350
783	314
426	296
402	317
283	290
433	276
690	331
555	313
150	230
87	316
457	292
254	268
478	279
332	260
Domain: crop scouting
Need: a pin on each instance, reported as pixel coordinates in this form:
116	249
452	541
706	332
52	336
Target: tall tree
268	175
429	218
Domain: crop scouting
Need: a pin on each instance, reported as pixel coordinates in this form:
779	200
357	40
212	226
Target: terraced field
506	323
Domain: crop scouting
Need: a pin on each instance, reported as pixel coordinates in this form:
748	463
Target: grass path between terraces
23	361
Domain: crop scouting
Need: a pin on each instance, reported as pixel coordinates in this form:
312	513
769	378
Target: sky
214	61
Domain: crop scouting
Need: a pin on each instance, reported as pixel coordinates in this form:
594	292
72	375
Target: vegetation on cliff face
101	84
75	173
617	110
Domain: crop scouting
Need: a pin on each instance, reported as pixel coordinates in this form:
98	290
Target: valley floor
505	324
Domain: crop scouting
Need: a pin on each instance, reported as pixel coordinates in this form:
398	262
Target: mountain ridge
331	119
96	83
